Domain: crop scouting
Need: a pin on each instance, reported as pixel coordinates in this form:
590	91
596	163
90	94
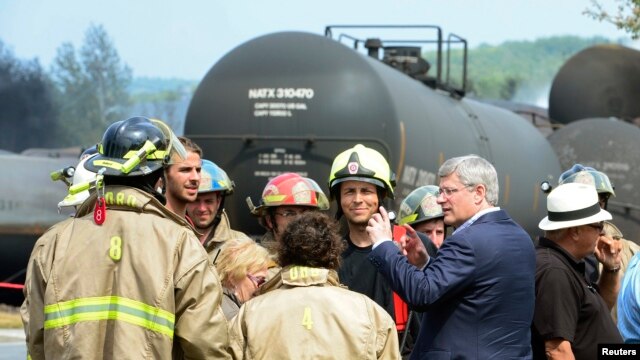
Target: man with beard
284	198
182	179
207	211
360	179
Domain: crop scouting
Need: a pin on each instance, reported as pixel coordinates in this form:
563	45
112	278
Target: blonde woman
242	266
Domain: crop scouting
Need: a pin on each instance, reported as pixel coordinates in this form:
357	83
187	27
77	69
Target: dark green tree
27	113
509	88
92	86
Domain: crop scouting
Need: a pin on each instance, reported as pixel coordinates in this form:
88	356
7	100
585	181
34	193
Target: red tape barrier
11	286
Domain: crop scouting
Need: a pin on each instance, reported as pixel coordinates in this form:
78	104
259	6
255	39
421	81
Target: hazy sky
185	38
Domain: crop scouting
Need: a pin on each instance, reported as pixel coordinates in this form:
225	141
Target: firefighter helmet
587	175
290	189
420	205
80	176
213	178
361	163
135	147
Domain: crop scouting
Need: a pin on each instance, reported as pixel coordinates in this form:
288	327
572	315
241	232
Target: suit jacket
478	294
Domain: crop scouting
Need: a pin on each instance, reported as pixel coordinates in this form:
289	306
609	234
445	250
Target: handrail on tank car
310	139
356	41
464	59
329	33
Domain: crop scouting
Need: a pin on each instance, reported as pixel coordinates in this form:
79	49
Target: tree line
517	70
70	105
87	89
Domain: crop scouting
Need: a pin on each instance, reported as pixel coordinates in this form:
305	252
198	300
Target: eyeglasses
258	280
290	213
449	192
599	226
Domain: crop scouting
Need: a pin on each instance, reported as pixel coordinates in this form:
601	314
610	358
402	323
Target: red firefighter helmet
290	189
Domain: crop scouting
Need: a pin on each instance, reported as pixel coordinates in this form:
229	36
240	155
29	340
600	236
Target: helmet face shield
588	175
322	202
175	152
420	205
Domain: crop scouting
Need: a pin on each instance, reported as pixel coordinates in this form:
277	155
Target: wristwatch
614	270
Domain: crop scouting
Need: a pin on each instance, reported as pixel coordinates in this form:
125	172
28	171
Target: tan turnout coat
306	314
139	286
222	233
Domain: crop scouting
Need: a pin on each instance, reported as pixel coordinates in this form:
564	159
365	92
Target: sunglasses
258	280
599	226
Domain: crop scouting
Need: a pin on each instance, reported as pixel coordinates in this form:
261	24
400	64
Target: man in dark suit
478	294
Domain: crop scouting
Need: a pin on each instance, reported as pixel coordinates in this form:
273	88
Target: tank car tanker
600	81
28	207
292	101
611	146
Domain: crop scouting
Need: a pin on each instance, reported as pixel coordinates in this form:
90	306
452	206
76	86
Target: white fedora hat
573	204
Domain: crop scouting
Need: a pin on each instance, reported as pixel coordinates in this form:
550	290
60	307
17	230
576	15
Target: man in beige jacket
307	314
125	278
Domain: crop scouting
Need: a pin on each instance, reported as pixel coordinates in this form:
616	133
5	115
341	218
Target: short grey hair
473	170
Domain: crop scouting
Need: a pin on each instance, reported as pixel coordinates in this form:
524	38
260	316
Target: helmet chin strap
218	217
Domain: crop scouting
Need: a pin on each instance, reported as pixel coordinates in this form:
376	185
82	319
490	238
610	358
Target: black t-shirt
357	272
568	306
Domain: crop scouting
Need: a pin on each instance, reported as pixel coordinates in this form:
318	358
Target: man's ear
574	233
160	185
480	193
267	222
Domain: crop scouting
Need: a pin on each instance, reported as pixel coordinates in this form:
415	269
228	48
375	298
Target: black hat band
575	214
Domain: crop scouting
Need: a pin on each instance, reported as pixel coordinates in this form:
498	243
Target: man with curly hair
307	313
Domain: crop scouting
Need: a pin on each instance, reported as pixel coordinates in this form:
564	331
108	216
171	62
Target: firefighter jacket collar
131	199
301	276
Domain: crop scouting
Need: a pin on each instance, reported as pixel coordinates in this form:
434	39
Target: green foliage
27	111
517	70
92	87
625	17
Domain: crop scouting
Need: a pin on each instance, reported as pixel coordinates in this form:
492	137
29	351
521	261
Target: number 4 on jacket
307	321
